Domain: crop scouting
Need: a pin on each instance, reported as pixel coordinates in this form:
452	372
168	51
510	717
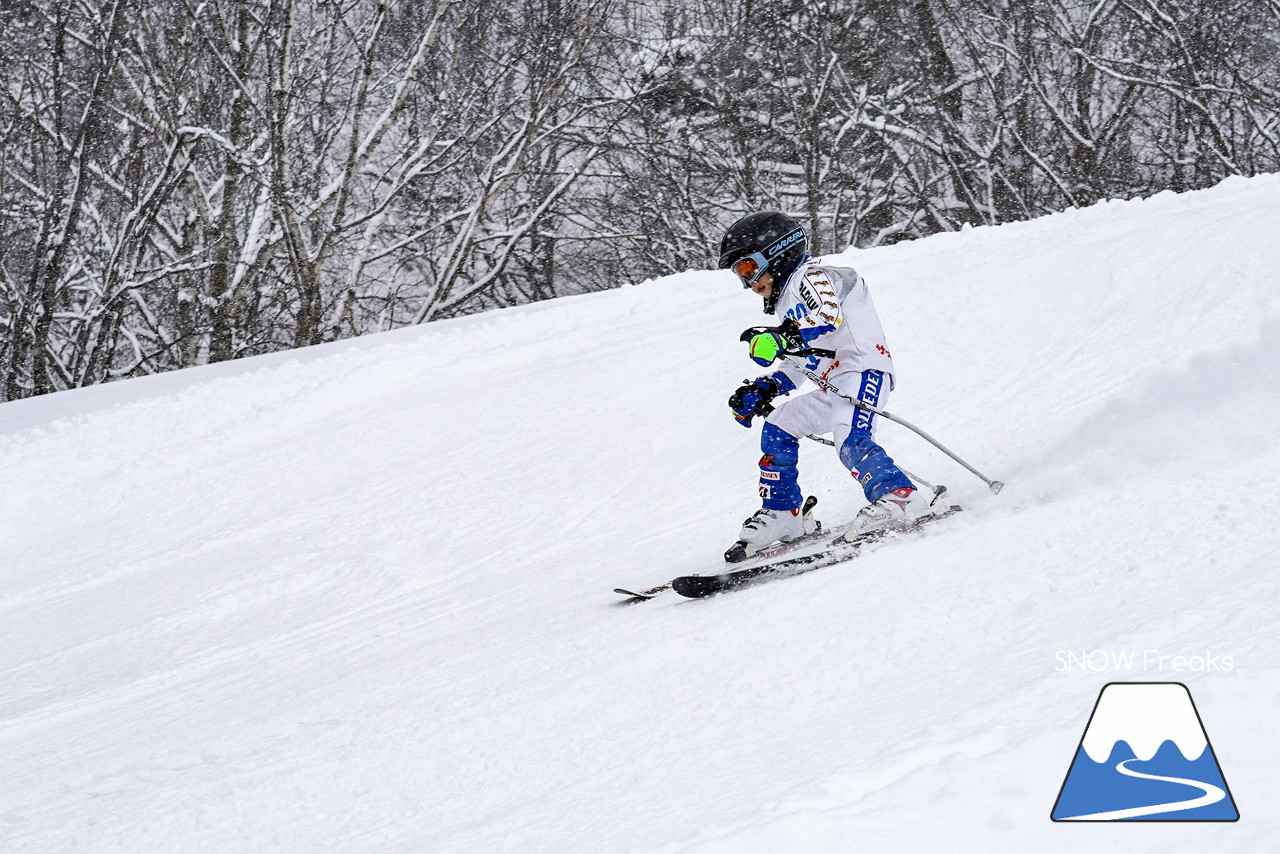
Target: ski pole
823	440
994	485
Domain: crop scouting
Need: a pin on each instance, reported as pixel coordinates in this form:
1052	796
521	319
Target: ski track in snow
358	597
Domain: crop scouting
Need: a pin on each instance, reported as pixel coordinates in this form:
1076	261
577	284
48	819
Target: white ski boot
897	509
766	527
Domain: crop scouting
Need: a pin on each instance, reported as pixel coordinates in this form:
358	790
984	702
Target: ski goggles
753	266
750	268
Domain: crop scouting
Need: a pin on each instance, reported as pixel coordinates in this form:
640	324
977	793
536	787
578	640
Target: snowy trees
190	182
193	182
879	121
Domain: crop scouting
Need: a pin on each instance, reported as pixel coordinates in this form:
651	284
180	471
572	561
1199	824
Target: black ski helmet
775	241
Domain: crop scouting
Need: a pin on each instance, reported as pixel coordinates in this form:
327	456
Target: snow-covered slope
357	598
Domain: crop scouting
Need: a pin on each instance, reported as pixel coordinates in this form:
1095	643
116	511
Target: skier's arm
792	375
818	293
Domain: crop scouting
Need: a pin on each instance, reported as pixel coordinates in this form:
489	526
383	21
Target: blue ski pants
852	428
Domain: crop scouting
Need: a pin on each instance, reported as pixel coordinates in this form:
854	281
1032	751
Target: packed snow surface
358	597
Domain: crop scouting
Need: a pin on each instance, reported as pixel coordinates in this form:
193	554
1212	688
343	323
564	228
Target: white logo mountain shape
1146	715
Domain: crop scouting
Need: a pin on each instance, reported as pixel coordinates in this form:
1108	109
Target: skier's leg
892	498
779	472
781	517
854	432
780	448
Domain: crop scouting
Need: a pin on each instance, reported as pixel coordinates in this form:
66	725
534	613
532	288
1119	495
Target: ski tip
641	595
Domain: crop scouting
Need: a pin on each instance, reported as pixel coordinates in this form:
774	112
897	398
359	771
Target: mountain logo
1144	756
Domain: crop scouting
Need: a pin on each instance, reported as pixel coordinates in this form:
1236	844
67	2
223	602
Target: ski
643	594
837	551
737	554
764	558
820	548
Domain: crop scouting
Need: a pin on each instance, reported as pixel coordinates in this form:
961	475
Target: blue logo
784	243
799	311
1145	756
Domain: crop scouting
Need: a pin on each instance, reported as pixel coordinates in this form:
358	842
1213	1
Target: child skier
823	307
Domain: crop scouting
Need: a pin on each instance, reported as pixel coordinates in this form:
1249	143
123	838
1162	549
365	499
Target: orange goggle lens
746	269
